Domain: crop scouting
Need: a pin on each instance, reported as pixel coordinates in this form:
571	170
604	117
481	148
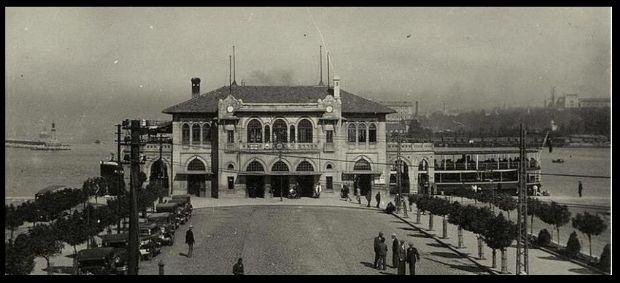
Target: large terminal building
258	141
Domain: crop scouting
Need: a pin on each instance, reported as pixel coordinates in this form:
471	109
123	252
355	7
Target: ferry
46	142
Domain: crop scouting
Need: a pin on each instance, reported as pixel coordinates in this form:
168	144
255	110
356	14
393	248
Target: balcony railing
483	166
258	147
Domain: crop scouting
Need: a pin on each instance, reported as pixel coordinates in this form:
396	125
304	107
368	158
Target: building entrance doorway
255	186
363	182
279	184
196	184
305	185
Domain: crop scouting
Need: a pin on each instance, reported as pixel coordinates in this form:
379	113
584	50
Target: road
297	240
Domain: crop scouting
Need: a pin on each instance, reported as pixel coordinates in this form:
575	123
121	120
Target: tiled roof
207	103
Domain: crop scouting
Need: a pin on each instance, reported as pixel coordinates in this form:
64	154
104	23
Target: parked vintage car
185	202
173	208
102	261
121	241
150	240
166	223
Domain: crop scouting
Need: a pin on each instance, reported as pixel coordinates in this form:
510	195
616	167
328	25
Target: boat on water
46	142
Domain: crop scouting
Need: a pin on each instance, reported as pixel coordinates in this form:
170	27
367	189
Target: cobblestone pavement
297	240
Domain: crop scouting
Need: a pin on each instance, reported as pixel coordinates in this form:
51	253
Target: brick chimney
195	87
336	86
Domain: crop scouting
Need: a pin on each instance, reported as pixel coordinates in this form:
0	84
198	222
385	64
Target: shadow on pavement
407	228
417	235
446	254
183	254
582	271
467	268
385	273
437	245
368	264
551	257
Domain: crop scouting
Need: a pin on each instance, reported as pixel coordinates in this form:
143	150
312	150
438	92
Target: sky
89	68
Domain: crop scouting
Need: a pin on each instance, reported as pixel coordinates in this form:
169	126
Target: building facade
260	141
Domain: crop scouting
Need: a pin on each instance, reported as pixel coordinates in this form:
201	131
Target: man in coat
412	257
238	267
395	248
383	248
378	198
189	240
377	247
368	197
402	258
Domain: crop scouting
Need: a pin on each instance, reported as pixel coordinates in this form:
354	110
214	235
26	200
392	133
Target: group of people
344	194
401	255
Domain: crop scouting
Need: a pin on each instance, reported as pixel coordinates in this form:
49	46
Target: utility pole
133	209
398	173
522	237
119	178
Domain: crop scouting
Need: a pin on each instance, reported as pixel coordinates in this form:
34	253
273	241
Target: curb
289	205
483	267
572	260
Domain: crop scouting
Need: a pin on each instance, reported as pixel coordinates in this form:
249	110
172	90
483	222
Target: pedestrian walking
383	248
395	247
346	192
580	189
189	240
378	198
377	246
358	194
238	267
412	257
402	258
368	197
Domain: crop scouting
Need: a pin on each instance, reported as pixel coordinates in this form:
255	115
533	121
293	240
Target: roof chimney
336	86
195	87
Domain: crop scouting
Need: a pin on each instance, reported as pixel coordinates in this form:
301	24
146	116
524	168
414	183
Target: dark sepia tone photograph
307	141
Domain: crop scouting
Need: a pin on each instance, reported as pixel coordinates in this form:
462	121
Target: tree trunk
417	217
494	262
12	230
47	261
532	224
480	248
590	241
557	229
460	236
430	221
445	227
504	261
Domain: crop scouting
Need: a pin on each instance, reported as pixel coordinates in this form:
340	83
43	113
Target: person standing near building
580	188
395	247
402	258
189	240
358	193
238	267
377	246
412	257
378	198
368	197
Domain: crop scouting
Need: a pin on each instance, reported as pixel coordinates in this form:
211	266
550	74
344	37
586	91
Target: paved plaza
298	240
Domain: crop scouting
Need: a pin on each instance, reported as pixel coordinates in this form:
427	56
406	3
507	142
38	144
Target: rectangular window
329	137
329	183
231	136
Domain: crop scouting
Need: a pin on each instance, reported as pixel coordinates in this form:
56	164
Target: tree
556	215
533	208
478	226
18	259
12	219
73	230
44	242
589	224
442	207
457	217
573	247
498	235
505	202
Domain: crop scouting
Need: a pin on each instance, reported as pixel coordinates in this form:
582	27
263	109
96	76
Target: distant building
594	103
404	113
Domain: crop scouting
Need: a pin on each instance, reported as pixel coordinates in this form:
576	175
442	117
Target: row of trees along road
494	230
550	213
73	228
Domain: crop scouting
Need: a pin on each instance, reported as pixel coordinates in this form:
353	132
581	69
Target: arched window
279	167
305	166
279	131
206	133
329	167
423	166
195	134
255	166
352	133
361	165
304	129
255	131
372	133
361	132
185	133
196	165
231	167
292	133
267	134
